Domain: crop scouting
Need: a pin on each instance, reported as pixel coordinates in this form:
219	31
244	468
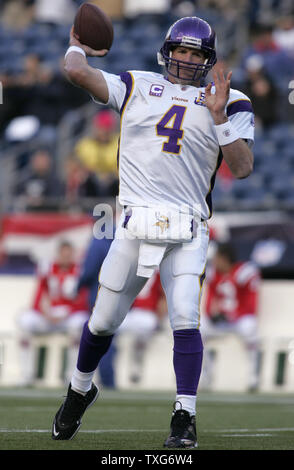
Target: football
93	27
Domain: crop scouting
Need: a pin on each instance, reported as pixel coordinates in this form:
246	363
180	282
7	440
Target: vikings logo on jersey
162	221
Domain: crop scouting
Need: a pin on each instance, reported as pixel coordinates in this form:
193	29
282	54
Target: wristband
75	49
225	133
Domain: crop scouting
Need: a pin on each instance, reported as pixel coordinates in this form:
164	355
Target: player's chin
183	77
187	81
188	76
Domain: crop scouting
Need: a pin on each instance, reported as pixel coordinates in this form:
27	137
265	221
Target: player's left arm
237	154
252	295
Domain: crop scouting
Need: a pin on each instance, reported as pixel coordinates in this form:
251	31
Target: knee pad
109	311
115	270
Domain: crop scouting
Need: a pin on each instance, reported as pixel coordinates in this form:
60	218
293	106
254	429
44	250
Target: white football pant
181	272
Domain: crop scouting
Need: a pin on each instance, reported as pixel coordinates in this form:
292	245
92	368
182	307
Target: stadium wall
276	332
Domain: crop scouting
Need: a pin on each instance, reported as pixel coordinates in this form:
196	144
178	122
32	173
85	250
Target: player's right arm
211	302
81	74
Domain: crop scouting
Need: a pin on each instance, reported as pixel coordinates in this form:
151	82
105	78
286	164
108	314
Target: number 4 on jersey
175	116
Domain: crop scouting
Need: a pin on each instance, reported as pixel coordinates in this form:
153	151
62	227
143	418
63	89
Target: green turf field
140	420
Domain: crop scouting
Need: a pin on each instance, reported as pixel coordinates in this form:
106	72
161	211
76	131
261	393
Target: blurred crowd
256	41
90	169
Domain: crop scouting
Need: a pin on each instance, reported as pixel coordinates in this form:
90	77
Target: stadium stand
33	84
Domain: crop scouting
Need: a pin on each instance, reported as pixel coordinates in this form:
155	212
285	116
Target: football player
174	134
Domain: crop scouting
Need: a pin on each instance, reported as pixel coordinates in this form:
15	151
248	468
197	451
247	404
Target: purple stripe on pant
188	353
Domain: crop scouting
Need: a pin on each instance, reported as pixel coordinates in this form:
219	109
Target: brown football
93	27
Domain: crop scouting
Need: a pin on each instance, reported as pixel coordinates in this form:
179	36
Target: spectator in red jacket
55	308
232	306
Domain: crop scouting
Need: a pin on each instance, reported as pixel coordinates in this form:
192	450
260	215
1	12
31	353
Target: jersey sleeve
240	113
41	290
117	89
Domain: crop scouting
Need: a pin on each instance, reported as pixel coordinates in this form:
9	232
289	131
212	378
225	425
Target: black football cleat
182	431
67	420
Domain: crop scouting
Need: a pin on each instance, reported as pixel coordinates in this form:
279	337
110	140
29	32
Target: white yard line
225	432
88	431
247	435
244	430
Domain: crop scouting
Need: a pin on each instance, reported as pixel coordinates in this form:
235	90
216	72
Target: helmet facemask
177	36
199	70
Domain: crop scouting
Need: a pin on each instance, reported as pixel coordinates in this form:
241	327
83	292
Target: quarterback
174	133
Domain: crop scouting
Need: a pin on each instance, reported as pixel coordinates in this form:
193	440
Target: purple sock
188	353
92	348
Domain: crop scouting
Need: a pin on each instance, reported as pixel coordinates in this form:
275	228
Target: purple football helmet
192	32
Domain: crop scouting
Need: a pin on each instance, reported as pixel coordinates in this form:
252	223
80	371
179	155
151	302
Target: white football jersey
168	149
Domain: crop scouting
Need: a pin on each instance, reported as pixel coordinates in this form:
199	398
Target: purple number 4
174	133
